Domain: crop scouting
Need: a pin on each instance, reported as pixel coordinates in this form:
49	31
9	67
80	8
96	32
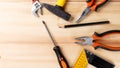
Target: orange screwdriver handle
111	48
101	3
90	3
61	59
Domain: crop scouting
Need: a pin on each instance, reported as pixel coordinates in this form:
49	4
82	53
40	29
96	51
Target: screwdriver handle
61	59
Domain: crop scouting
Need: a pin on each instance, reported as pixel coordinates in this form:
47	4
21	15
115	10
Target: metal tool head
85	40
84	14
36	8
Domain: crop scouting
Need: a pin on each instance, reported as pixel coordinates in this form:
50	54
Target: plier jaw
36	8
85	40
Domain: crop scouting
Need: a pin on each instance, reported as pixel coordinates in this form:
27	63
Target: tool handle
61	3
34	1
100	4
90	3
111	48
61	59
105	34
97	61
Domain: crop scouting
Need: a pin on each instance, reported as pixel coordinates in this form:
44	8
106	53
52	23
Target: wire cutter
36	7
85	40
91	6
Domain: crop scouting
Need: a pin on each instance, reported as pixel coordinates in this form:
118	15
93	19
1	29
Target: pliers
91	6
85	40
36	7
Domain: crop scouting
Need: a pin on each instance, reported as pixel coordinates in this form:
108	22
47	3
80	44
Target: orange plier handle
94	7
97	36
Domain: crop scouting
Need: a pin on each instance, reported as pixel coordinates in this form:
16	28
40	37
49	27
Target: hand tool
91	6
36	8
84	24
97	61
85	40
61	59
82	61
58	9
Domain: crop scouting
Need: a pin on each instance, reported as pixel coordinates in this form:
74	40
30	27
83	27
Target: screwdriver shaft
49	33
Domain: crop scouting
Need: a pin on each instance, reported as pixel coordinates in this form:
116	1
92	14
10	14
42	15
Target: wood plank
50	0
25	43
31	55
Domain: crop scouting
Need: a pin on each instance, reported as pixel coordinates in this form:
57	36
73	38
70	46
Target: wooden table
25	43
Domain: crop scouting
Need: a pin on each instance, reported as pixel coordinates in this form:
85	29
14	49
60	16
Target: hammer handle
61	3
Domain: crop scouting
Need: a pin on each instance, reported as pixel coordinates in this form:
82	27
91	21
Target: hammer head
58	11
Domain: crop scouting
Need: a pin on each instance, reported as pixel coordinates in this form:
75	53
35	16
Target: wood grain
25	43
51	0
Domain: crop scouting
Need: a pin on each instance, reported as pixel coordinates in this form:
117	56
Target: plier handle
94	6
95	37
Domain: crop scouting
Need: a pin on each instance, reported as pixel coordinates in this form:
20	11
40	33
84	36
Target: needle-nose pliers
91	6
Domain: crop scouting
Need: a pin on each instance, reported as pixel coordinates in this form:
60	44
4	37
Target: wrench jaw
35	14
36	8
85	40
40	11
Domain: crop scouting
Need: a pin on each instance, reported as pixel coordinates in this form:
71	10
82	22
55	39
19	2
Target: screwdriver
61	59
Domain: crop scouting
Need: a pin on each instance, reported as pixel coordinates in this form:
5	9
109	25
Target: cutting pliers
91	6
36	7
85	40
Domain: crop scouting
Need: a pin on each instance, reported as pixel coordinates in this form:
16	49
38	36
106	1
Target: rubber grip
97	61
97	36
61	3
104	34
100	45
90	3
61	59
101	3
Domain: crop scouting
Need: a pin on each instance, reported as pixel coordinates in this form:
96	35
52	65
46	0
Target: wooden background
25	43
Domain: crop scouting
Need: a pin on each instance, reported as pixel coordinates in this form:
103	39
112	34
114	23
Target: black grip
60	56
97	61
100	5
88	0
106	33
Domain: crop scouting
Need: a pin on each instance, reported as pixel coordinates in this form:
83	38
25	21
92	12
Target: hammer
58	9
